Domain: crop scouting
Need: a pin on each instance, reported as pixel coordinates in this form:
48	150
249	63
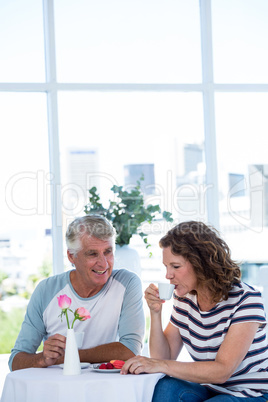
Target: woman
219	319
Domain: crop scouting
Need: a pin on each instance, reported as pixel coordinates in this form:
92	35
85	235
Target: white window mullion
53	135
209	113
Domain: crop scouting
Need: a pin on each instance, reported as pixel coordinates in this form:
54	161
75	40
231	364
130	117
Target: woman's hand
151	295
141	364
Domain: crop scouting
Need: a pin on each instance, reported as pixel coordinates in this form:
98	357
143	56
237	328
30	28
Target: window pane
21	41
242	142
133	41
111	138
25	242
240	44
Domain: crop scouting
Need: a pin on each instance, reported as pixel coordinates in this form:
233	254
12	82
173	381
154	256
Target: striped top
203	332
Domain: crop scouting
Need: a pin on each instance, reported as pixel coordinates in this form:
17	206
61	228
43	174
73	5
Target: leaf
167	216
127	213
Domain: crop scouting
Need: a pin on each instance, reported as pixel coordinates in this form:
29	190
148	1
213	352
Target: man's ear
70	257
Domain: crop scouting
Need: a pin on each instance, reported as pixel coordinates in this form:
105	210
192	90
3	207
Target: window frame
51	87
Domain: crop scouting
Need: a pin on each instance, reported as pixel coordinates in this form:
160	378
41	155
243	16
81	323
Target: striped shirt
203	332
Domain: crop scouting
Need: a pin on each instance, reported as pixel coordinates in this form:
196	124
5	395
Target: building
133	173
258	184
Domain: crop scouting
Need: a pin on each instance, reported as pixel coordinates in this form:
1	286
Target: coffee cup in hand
165	290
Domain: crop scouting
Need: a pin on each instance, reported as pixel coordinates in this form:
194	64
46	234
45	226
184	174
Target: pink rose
82	314
64	302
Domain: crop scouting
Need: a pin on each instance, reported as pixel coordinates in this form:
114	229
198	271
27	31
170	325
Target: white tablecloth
50	385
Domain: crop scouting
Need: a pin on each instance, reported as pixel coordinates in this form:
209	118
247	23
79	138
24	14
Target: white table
50	385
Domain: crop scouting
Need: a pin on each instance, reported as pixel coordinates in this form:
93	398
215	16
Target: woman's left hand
141	364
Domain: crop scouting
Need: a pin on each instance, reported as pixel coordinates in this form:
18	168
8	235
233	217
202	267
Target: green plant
10	327
46	268
3	275
127	213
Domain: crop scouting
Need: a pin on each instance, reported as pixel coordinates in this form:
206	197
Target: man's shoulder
124	273
48	288
52	284
125	276
55	279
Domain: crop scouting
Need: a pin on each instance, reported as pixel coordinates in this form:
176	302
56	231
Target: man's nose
102	260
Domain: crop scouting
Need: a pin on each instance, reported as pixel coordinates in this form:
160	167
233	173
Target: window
240	41
25	207
142	41
22	41
134	84
241	125
25	236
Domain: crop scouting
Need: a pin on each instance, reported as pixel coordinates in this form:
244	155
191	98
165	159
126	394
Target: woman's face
180	272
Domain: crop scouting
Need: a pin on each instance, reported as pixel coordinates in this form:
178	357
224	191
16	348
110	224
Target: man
113	298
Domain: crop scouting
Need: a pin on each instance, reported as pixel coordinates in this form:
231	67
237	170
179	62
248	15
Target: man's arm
55	355
52	353
105	353
24	360
132	321
31	333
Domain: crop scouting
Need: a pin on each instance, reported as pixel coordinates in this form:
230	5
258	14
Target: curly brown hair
209	255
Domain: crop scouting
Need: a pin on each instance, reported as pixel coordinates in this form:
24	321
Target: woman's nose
169	274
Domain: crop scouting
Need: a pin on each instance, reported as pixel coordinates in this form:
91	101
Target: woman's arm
231	353
163	344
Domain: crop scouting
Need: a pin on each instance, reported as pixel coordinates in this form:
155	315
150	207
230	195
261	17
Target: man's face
94	262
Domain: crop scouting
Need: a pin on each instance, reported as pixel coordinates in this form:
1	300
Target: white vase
71	359
79	337
127	257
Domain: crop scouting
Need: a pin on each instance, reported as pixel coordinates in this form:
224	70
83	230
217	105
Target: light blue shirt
116	313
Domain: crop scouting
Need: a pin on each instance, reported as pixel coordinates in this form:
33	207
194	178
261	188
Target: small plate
83	365
95	367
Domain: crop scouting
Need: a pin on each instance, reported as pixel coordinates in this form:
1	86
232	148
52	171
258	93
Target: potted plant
127	213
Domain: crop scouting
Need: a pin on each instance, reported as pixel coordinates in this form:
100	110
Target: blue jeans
170	389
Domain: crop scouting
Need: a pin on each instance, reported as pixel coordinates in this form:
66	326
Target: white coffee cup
165	290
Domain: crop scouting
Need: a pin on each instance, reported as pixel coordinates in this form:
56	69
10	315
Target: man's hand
54	349
53	353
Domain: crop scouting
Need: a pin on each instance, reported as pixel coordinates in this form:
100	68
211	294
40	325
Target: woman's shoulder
242	288
243	293
187	302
